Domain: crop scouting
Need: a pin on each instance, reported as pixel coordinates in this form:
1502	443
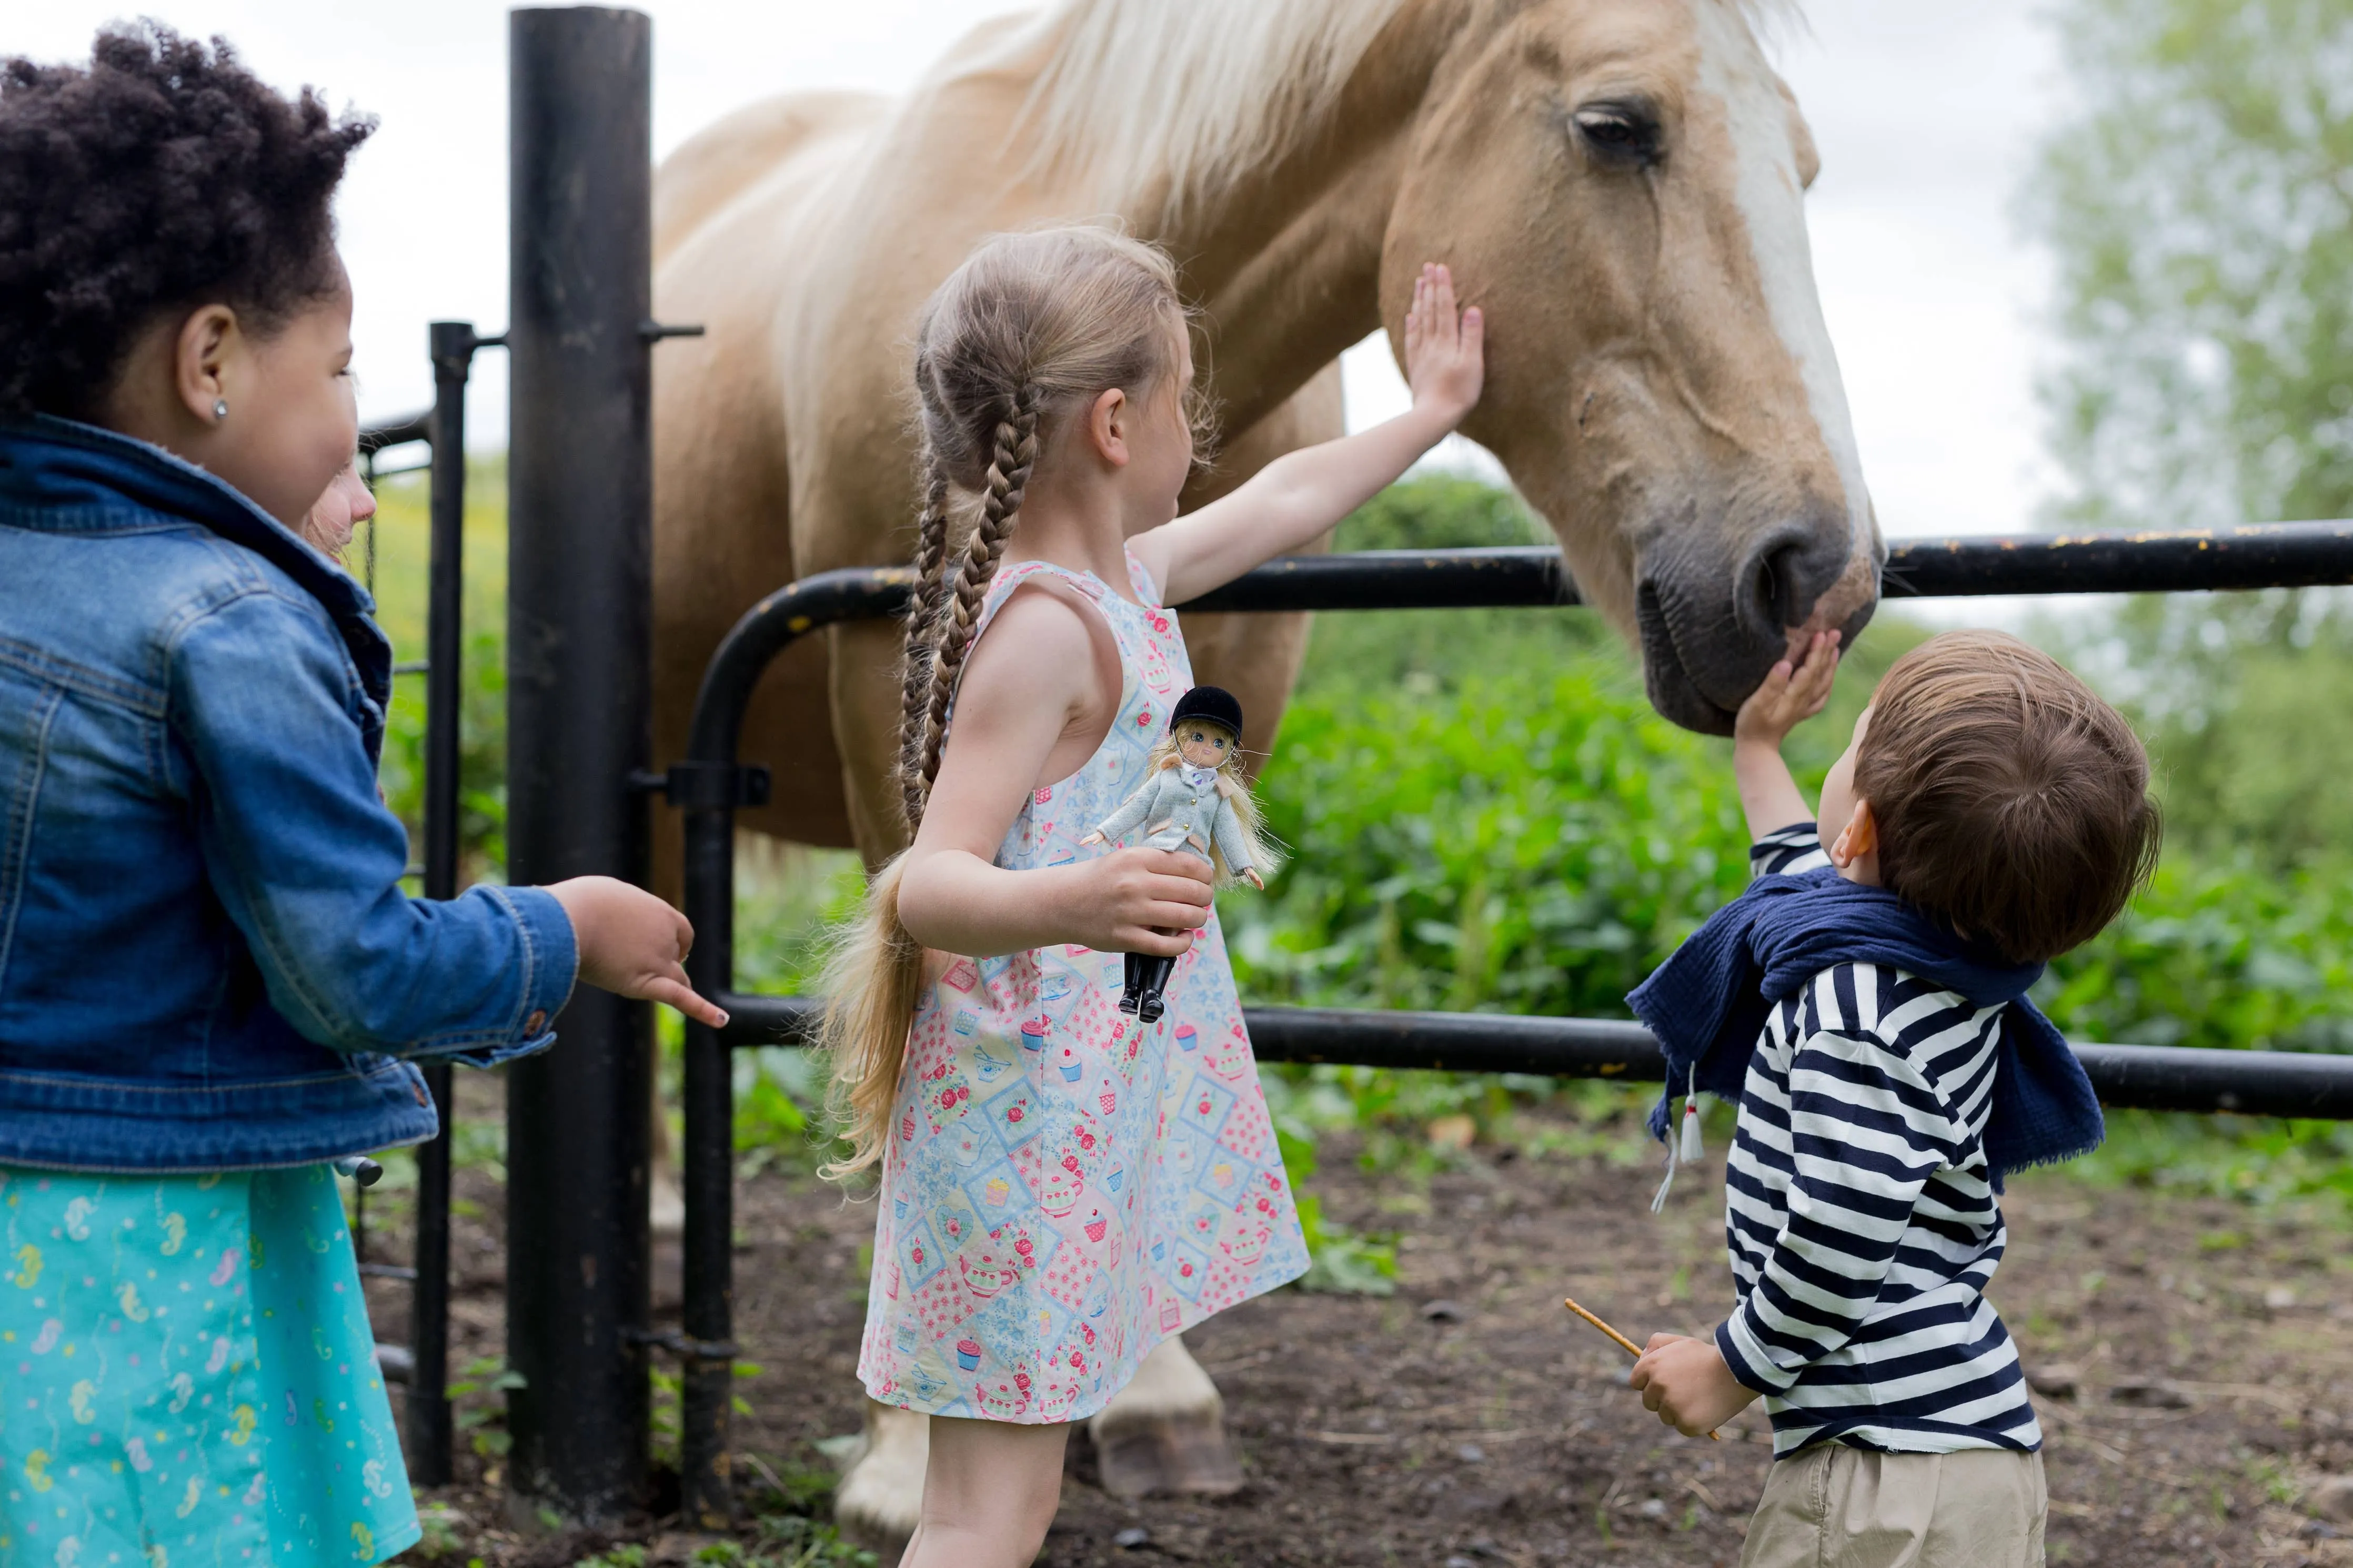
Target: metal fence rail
2142	1078
711	783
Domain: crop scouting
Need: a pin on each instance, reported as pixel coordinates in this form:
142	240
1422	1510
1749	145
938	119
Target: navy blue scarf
1708	1003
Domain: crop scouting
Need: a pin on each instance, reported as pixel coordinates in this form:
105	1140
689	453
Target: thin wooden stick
1629	1346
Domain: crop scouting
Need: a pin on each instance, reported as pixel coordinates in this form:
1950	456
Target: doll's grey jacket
1175	815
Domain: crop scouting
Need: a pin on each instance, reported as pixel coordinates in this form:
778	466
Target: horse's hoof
1158	1455
880	1498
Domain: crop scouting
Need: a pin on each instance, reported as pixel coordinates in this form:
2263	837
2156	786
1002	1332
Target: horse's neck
1288	259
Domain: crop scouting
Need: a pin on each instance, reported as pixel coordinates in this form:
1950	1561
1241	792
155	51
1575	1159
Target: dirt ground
2198	1355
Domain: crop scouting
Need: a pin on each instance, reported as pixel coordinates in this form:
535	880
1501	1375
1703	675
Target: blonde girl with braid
1064	1185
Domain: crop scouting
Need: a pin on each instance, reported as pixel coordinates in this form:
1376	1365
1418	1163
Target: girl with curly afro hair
212	983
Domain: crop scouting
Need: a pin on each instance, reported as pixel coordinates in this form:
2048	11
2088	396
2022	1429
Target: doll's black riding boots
1146	977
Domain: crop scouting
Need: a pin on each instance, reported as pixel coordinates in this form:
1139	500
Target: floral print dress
1065	1187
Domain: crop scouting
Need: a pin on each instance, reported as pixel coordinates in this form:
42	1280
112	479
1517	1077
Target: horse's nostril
1776	593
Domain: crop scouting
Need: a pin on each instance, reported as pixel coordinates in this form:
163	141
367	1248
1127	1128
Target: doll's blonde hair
1032	326
1265	858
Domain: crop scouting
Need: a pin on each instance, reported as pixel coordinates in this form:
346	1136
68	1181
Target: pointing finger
676	993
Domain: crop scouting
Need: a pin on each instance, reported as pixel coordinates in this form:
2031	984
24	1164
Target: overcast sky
1925	112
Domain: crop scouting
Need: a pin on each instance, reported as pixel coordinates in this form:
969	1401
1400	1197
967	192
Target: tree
2200	204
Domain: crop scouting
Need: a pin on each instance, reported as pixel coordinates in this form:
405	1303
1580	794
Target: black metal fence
713	783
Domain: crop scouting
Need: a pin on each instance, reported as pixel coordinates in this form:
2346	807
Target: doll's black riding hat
1214	703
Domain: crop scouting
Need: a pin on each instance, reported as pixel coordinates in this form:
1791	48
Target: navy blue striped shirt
1862	1227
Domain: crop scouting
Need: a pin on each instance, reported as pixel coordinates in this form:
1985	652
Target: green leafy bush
1530	844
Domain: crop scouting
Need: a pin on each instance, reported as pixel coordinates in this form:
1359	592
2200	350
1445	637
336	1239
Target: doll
1194	801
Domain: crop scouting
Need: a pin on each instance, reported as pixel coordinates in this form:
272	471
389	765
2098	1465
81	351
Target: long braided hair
1032	326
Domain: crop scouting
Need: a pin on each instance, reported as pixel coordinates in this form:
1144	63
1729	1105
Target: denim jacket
206	961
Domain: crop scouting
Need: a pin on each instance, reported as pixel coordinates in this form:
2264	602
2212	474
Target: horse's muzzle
1711	627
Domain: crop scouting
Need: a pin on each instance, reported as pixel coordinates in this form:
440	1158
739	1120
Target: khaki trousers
1831	1506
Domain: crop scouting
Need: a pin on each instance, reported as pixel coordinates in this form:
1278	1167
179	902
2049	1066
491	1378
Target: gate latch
706	786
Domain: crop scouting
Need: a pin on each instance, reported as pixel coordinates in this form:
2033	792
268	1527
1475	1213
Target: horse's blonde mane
1168	101
1171	99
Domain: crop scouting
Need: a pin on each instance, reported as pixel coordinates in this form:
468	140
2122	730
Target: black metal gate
713	783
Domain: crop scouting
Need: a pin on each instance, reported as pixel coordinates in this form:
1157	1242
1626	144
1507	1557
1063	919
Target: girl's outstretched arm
1299	496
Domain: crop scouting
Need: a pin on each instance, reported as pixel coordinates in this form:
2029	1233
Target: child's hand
1687	1382
633	944
1791	694
1445	359
1142	901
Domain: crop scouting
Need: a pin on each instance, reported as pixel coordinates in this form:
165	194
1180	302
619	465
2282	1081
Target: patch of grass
790	1527
480	1407
1342	1262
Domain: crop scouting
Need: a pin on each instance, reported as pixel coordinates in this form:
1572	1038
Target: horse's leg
880	1498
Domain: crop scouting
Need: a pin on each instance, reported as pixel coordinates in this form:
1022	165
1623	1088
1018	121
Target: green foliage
482	1409
1440	511
2257	1160
792	1527
400	542
1342	1262
1518	832
1533	844
442	1526
627	1554
789	901
1421	652
2239	697
2194	202
2229	957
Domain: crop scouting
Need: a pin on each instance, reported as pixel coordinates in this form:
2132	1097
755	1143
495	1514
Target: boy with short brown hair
1865	1003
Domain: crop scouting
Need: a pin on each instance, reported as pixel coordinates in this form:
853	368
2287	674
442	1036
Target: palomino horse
1619	184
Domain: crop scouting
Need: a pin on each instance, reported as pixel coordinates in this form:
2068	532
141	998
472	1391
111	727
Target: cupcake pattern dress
187	1379
1064	1187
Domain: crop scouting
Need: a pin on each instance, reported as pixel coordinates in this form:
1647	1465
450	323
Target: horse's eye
1622	134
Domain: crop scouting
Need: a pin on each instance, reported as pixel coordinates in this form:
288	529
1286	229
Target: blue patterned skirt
187	1378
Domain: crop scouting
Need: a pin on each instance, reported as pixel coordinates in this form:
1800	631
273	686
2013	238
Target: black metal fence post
578	725
453	344
708	1312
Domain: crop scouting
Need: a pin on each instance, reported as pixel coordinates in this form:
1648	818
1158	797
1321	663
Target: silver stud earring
220	408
